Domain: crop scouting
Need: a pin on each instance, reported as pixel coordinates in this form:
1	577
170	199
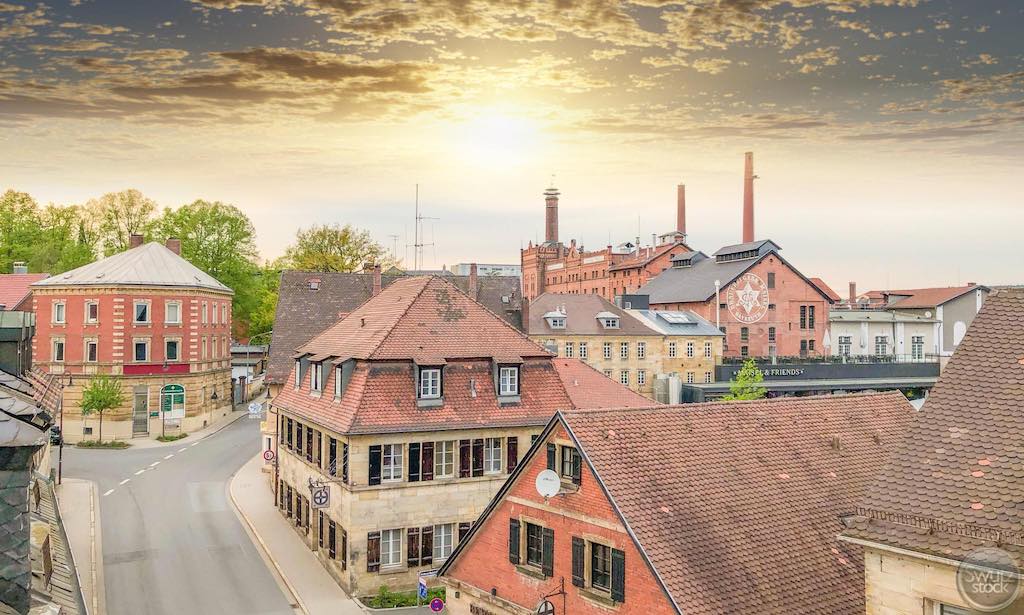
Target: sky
887	134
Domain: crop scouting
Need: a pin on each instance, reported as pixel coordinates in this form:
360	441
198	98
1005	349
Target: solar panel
675	318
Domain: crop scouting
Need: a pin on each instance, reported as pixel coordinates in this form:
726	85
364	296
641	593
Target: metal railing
834	359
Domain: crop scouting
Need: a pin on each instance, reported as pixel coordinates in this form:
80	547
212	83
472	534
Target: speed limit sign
268	455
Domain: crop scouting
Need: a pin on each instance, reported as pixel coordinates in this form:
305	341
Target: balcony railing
834	359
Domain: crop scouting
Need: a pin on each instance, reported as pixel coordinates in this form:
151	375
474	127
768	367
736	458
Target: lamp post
163	393
213	398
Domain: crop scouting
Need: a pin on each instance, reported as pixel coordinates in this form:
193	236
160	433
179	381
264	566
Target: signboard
172	401
320	497
545	608
747	298
422	589
437	605
429	573
255	408
268	455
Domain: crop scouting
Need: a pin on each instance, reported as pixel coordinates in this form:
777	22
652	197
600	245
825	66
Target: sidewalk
77	500
311	587
239	411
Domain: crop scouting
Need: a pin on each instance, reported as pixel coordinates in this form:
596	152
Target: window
391	467
213	309
624	377
707	350
224	313
810	316
881	344
92	312
610	323
508	380
171	350
444	459
172	313
205	313
141	353
338	383
298	373
771	280
744	351
945	609
570	349
707	377
845	345
917	347
316	377
607	350
810	345
205	350
803	316
803	348
725	338
59	313
624	350
689	378
671	350
744	334
390	548
771	307
58	350
556	323
141	312
641	350
534	545
641	377
689	350
91	351
430	383
601	566
771	334
442	541
492	456
583	350
608	373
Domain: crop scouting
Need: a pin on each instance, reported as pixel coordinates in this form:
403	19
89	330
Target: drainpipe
718	305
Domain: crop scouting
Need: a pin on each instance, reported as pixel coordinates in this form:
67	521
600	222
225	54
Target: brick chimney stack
174	245
134	240
748	197
524	315
853	293
681	209
551	215
472	282
376	281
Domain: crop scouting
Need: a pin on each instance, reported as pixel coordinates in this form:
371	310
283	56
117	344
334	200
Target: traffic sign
437	605
321	497
268	455
423	589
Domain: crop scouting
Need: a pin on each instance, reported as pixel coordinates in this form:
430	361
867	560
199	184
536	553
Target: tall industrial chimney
748	198
681	209
551	215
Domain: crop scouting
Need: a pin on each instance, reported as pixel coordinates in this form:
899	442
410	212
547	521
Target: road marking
155	463
108	492
124	481
182	450
169	456
194	443
140	471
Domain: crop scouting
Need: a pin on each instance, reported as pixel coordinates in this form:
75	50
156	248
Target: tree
334	248
67	239
19	228
747	383
121	215
101	394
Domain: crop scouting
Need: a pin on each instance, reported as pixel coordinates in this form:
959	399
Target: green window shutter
551	456
548	544
577	468
513	541
618	575
579	554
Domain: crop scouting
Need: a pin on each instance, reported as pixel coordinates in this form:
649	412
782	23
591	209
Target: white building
491	269
906	337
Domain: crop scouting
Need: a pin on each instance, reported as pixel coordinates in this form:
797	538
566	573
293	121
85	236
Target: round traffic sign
268	455
437	605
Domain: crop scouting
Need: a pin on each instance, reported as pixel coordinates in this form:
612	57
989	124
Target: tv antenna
418	243
394	247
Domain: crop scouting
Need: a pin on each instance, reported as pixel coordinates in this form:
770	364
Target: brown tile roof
303	313
581	316
589	388
956	481
738	504
924	297
826	289
647	255
14	287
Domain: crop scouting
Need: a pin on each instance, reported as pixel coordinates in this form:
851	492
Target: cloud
23	24
814	60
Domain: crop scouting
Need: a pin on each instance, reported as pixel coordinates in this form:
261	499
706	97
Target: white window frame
584	351
883	342
641	350
337	382
429	384
176	342
443	541
135	343
63	312
508	380
917	347
608	373
690	377
492	455
89	304
205	313
91	341
206	350
624	377
641	377
623	350
556	323
570	350
690	350
392	472
167	312
610	323
845	345
224	313
135	311
707	377
63	350
607	350
444	459
298	373
391	548
671	350
708	350
316	377
213	314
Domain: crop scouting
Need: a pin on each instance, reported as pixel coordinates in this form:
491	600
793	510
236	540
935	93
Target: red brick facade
483	566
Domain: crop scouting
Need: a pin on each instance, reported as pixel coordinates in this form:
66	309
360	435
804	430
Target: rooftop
14	288
682	322
581	313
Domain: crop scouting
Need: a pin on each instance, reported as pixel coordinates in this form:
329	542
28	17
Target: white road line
124	481
155	463
182	450
140	471
108	492
194	443
169	456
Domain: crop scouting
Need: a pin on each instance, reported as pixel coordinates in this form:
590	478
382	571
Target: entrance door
140	413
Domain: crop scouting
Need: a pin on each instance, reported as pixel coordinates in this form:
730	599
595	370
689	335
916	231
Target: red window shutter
414	462
427	551
464	458
427	461
373	552
512	454
413	546
478	457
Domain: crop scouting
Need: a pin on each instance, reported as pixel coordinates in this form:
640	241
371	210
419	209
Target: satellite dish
548	483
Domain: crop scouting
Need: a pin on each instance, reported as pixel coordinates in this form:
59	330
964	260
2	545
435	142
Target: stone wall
15	539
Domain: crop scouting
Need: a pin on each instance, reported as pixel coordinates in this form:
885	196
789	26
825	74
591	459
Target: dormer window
298	373
610	323
316	377
430	383
557	322
508	380
337	383
314	283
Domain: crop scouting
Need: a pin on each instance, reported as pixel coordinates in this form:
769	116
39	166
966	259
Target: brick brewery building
152	320
705	509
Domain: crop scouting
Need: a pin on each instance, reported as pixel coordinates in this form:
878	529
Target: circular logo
988	579
321	496
747	298
437	605
268	455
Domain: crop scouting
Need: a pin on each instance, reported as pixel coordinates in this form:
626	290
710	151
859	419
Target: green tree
19	228
747	383
67	239
334	248
101	394
121	215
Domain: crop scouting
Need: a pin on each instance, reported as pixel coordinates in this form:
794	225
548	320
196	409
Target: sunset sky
888	134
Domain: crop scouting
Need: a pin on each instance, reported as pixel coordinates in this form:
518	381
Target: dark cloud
319	66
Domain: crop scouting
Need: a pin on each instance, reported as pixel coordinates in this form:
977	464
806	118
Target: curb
263	545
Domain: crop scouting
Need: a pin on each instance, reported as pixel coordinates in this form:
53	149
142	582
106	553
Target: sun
498	139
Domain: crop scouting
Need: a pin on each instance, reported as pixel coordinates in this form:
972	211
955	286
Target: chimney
654	240
748	197
681	209
174	245
551	215
472	281
134	241
853	293
524	315
20	267
376	281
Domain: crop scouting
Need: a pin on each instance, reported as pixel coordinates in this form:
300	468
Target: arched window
172	401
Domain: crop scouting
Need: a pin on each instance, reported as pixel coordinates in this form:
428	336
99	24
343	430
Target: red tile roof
955	483
14	287
738	504
589	388
924	297
646	255
825	288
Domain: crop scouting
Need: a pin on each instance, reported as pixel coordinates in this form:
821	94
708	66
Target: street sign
423	589
320	497
546	608
429	573
268	455
437	605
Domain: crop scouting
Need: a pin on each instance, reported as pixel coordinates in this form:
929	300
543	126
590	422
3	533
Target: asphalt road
172	543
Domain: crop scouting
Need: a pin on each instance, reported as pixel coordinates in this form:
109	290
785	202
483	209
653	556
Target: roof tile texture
14	287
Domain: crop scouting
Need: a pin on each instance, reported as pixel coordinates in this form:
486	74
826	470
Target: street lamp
163	394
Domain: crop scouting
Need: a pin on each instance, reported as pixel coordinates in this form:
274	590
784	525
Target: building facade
411	411
488	269
883	334
695	509
153	321
633	347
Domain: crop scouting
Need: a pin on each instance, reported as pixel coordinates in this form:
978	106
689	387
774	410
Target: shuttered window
414	462
375	456
534	545
618	575
512	452
552	453
478	457
332	539
600	566
413	546
332	457
548	564
427	545
344	549
465	458
427	461
579	554
373	552
513	541
344	462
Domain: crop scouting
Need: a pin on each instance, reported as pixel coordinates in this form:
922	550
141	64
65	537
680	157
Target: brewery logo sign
747	298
